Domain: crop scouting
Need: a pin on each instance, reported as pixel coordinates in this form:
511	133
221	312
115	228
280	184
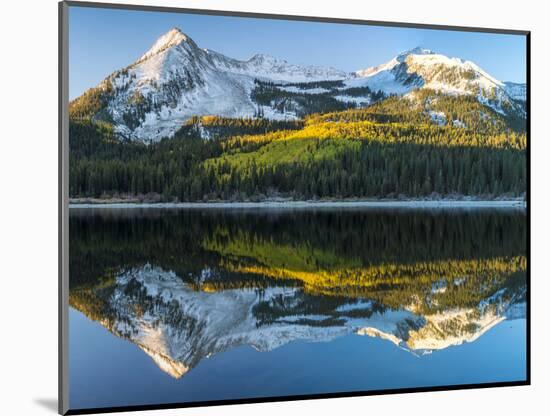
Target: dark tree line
175	169
375	170
216	127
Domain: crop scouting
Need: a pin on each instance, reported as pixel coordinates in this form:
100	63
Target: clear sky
104	40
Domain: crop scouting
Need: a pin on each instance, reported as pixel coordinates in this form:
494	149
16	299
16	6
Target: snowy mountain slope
423	68
176	79
391	77
171	82
178	326
270	68
516	91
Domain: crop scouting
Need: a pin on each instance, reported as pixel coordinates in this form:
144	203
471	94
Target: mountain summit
415	51
171	38
423	68
175	80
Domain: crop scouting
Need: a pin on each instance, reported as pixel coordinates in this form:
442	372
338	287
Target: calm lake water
171	306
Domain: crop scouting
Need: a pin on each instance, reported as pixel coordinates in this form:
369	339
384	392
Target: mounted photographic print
262	208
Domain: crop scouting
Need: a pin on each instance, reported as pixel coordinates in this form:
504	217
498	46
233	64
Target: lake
184	305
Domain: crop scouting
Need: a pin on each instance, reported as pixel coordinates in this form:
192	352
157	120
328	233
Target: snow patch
438	117
459	123
295	89
360	101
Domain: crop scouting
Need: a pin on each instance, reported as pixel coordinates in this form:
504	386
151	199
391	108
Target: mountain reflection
183	285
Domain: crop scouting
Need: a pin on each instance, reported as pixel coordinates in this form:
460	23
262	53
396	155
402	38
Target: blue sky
104	40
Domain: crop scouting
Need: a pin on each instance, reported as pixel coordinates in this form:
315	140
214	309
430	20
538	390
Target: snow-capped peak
400	58
263	57
421	68
415	51
171	38
175	80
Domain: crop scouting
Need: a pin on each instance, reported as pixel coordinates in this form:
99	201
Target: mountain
176	80
423	68
268	67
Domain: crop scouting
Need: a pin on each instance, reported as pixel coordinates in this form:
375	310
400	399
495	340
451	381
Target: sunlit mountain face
176	79
187	285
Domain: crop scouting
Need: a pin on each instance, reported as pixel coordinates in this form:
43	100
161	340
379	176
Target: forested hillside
423	145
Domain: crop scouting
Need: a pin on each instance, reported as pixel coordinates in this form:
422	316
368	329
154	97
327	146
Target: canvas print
269	208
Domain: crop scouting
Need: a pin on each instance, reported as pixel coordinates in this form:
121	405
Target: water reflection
184	285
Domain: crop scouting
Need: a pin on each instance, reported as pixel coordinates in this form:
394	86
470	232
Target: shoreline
428	204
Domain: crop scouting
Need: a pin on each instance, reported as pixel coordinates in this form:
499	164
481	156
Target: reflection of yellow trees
331	281
467	282
90	304
87	298
242	244
461	283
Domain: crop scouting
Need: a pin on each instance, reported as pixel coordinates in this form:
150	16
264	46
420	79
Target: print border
63	207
